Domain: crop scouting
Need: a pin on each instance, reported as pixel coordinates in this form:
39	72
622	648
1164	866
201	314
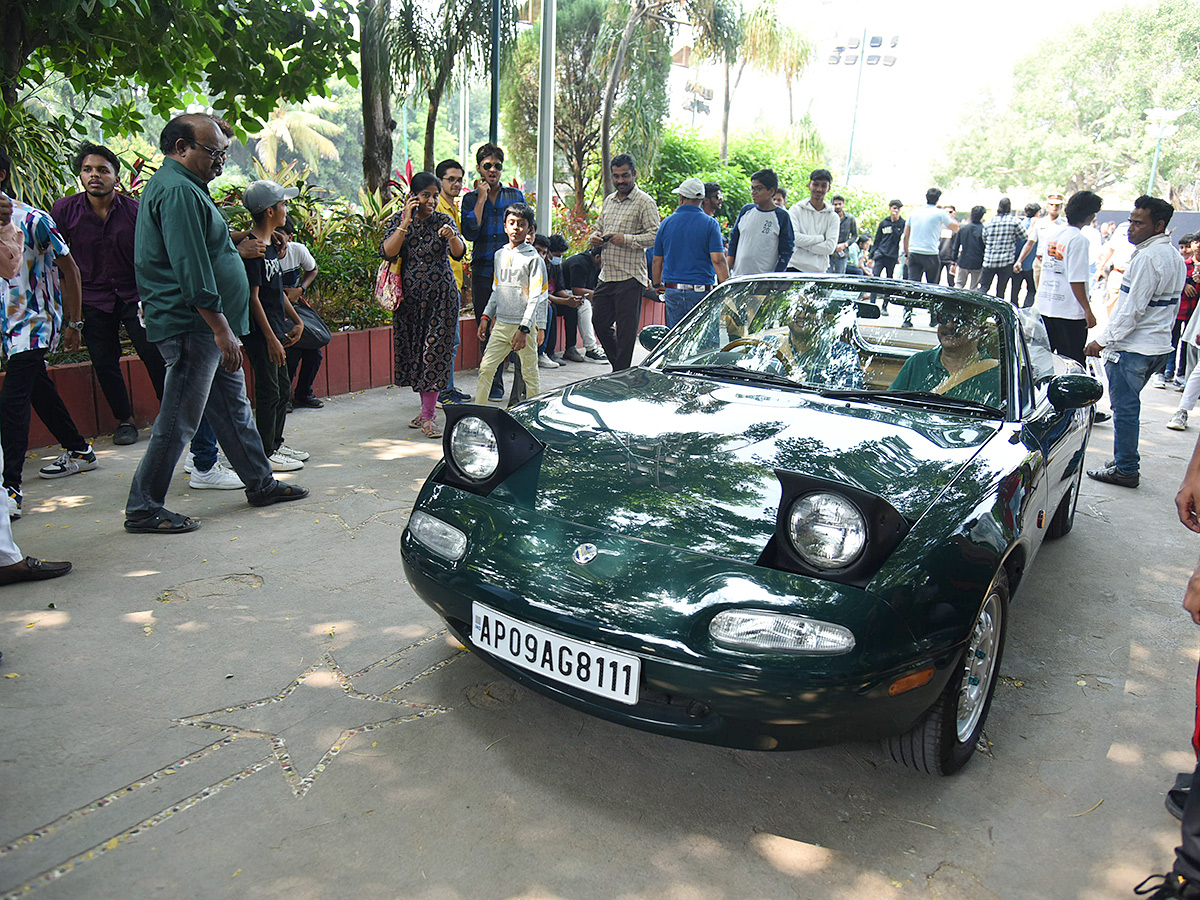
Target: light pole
1162	118
851	53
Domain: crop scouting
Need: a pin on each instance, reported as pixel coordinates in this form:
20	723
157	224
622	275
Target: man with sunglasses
483	210
196	301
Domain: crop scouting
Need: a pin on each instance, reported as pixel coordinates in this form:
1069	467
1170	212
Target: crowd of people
195	299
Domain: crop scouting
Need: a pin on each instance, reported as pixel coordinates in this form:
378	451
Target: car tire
1064	516
944	738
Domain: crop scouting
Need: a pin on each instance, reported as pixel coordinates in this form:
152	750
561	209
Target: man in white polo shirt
922	235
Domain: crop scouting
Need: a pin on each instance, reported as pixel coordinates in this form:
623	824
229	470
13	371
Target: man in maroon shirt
98	224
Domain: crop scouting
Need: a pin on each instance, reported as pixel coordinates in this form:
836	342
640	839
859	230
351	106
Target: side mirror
1074	391
865	309
652	335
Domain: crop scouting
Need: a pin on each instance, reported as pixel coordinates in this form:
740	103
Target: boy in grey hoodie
516	311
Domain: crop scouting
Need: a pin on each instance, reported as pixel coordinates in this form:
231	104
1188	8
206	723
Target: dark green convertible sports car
798	521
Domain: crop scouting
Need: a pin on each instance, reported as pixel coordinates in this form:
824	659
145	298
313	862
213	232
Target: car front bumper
656	602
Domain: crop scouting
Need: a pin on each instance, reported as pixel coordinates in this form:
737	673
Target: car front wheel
945	737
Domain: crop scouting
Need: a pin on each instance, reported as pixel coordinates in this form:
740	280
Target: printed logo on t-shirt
769	226
887	229
1056	250
274	267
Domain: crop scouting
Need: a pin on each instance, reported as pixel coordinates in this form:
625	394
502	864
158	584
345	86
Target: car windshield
834	337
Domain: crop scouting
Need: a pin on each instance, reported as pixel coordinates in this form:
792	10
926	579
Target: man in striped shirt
624	232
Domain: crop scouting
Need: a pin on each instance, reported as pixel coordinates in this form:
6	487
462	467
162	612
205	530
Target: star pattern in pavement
327	673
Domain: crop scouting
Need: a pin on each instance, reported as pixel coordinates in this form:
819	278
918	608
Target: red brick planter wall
354	361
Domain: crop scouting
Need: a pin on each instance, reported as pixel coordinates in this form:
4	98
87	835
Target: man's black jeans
102	337
27	382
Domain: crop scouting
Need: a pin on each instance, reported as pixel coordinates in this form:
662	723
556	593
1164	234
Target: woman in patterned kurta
423	324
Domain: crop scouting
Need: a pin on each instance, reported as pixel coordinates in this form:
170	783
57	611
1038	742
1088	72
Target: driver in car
957	367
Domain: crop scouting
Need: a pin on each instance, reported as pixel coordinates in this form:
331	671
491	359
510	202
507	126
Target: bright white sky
948	55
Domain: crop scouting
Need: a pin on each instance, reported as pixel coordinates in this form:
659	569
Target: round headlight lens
474	449
827	531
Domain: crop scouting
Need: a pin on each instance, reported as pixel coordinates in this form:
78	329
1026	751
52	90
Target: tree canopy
247	55
242	57
1077	117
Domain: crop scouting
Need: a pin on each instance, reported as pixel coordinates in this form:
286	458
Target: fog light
437	536
755	629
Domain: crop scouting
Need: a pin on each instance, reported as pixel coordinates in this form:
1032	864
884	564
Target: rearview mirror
652	335
1074	391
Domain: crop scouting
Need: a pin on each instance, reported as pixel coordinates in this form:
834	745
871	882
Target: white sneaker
218	478
546	361
281	463
189	463
1159	382
1178	422
285	450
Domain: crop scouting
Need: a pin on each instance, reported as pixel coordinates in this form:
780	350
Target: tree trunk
15	53
610	94
378	123
435	93
791	118
725	116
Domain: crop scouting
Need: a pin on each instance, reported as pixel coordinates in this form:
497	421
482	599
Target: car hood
690	462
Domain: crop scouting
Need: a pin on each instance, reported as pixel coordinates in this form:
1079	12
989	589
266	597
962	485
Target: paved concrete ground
156	739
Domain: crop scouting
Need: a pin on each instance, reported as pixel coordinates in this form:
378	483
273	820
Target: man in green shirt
196	303
956	367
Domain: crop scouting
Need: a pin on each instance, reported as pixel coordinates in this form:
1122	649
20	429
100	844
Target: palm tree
705	16
428	44
375	64
757	39
793	54
301	130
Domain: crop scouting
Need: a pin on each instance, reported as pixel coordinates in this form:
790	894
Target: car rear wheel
945	737
1064	516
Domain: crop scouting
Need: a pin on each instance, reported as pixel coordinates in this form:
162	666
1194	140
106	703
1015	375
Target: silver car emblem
585	553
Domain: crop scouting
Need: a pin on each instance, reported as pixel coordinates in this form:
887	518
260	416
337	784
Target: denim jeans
837	264
1126	378
680	303
204	446
196	386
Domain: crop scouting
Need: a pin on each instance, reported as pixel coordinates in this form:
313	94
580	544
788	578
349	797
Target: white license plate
588	667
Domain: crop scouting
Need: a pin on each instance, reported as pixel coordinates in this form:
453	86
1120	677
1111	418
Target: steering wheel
755	342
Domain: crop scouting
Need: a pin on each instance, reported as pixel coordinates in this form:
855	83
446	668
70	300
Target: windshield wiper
918	398
734	372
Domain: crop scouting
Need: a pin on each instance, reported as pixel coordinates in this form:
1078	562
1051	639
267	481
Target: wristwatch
78	326
524	329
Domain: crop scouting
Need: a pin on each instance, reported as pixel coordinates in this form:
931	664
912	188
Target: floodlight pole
862	64
545	138
494	120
